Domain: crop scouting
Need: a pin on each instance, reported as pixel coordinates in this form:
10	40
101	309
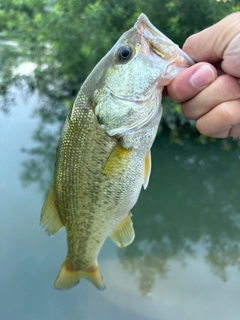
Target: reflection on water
186	252
40	164
192	204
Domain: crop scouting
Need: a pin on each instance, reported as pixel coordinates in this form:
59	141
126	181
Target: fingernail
202	77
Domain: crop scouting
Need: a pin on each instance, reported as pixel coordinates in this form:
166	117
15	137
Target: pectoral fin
117	161
50	219
147	170
124	234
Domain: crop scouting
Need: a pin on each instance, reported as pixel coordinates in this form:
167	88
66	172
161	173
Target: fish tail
68	277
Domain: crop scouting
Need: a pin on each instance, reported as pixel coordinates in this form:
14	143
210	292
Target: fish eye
124	53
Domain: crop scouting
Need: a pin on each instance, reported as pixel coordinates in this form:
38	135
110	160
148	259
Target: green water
184	263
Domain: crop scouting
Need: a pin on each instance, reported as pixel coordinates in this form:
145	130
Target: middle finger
224	88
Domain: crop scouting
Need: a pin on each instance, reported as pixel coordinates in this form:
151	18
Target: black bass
103	156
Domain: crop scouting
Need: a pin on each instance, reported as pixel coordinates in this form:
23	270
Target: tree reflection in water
40	165
192	200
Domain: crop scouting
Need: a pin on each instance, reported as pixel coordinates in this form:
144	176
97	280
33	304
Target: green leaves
66	38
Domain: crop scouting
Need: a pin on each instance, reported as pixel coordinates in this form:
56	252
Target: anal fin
124	234
50	219
147	170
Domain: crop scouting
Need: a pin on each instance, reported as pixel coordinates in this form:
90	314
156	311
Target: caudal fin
69	277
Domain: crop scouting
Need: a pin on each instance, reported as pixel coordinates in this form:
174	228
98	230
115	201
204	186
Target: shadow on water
192	201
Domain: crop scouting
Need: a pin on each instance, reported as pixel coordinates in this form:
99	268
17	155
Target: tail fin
69	277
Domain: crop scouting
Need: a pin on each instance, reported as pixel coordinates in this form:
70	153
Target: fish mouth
161	44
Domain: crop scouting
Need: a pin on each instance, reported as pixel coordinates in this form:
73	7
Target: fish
103	157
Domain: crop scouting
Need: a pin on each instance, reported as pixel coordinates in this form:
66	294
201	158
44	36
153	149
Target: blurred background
185	261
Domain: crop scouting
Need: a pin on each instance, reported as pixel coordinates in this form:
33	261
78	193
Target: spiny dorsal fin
147	170
68	277
50	219
117	161
124	234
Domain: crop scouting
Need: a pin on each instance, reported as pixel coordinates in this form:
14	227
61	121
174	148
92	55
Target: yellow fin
50	219
68	277
147	170
124	234
117	161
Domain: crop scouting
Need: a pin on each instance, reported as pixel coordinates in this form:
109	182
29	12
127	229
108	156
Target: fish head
132	77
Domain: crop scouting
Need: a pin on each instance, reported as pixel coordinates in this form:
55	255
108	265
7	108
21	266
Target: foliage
66	38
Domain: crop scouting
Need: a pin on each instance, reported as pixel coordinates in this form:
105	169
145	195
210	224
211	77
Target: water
183	265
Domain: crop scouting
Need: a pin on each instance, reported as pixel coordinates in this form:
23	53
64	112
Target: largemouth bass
103	156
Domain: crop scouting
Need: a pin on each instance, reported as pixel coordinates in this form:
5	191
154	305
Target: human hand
208	95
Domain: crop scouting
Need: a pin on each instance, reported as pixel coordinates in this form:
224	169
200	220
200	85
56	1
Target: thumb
191	81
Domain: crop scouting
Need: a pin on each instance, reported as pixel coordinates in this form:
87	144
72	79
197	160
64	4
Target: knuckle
228	87
206	126
188	112
224	112
201	127
222	86
191	110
